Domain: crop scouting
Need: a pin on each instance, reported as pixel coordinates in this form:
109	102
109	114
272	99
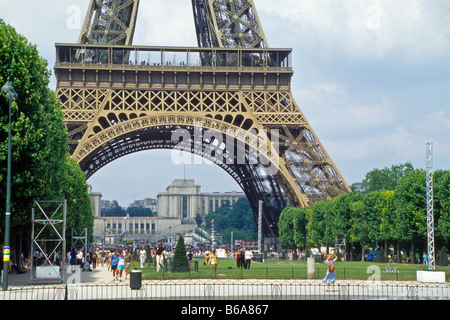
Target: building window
185	207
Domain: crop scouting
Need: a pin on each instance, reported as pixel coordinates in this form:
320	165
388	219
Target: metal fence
232	290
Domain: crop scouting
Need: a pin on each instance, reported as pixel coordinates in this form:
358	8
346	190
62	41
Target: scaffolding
430	215
80	241
340	246
48	240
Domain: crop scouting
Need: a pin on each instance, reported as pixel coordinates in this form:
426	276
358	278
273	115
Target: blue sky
371	76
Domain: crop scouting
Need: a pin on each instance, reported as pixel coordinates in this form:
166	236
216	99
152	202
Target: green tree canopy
41	168
365	218
238	217
387	178
441	183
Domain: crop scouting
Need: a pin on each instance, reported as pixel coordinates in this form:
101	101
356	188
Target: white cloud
165	23
334	111
439	120
368	28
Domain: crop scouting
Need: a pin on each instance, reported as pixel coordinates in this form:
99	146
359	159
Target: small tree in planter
180	262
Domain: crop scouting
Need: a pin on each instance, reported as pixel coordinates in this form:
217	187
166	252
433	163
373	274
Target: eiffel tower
118	99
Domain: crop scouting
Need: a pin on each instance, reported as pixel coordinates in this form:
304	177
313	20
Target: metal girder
430	213
110	22
119	99
228	24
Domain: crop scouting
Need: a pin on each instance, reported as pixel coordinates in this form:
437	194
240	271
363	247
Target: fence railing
298	272
233	289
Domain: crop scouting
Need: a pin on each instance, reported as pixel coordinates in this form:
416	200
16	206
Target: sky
372	77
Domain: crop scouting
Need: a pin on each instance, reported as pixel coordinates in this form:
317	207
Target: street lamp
8	89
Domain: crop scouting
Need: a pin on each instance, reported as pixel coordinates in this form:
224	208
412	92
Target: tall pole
430	217
11	95
260	227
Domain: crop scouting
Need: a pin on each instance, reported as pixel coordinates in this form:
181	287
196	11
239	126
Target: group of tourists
116	260
244	258
120	262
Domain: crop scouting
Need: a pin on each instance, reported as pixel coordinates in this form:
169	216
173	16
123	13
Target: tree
79	210
359	225
341	209
443	257
316	224
40	160
387	178
180	262
239	217
386	215
300	220
410	210
286	228
198	219
441	187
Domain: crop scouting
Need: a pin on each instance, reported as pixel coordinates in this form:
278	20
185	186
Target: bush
180	262
443	257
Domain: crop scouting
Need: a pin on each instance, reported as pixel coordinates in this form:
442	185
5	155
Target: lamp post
8	89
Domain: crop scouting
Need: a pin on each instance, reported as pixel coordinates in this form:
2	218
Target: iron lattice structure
110	22
228	24
430	208
120	99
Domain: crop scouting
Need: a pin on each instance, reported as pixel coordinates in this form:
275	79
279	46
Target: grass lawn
282	269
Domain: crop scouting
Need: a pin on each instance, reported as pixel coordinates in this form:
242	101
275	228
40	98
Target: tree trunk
413	252
386	249
399	254
351	252
294	252
363	254
421	252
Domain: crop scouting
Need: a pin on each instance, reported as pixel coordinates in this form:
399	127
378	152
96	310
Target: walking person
94	259
159	257
128	263
114	260
330	277
142	257
120	265
103	257
214	260
108	259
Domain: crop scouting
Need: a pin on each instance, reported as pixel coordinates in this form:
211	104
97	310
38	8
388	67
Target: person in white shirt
142	257
79	257
248	258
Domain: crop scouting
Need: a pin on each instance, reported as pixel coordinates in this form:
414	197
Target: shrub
180	262
443	257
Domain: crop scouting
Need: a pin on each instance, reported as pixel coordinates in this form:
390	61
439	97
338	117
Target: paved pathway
222	289
100	274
